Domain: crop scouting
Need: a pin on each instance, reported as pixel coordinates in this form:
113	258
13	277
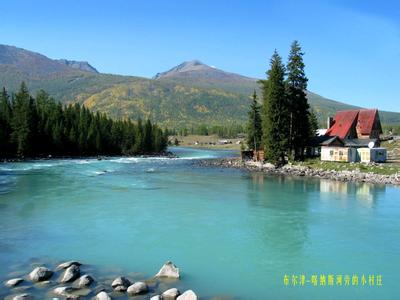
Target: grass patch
382	169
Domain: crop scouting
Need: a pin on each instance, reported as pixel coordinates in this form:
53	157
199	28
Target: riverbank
73	280
211	142
356	174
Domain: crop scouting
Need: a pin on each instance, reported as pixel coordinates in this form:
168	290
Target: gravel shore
296	170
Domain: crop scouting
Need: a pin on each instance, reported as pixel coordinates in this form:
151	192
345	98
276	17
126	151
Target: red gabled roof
366	120
342	123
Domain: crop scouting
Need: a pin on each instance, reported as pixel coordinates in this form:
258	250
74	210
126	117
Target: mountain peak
186	66
80	65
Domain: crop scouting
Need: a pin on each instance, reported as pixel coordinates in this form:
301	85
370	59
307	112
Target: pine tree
21	121
313	121
275	113
5	125
296	86
254	126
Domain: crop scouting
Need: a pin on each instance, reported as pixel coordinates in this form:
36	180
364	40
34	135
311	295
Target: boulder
63	290
13	282
188	295
156	297
67	264
70	274
138	288
85	281
40	274
102	296
23	297
168	270
171	294
120	284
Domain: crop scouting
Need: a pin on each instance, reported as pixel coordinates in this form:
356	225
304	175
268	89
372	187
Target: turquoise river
234	234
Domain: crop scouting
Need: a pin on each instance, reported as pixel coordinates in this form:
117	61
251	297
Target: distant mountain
201	75
29	63
191	93
80	65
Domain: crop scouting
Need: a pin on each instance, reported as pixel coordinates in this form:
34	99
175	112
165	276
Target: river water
232	233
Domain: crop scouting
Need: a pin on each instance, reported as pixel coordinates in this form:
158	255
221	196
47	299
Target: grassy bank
382	169
208	142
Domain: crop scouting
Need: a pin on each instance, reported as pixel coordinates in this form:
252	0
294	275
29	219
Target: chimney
329	122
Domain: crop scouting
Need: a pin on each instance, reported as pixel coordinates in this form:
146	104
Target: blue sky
352	47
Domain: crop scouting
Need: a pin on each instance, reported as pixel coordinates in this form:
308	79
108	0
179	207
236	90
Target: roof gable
343	123
366	120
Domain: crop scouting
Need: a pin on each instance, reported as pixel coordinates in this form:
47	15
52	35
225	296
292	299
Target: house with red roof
356	124
353	135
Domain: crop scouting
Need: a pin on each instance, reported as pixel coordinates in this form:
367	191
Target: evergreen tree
275	113
40	127
5	124
21	131
296	86
254	126
313	121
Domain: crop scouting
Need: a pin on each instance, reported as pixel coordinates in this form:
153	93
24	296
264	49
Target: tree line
40	126
284	122
223	131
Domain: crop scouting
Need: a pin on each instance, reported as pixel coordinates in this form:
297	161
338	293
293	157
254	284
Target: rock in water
156	297
67	264
168	270
40	274
13	282
102	296
85	281
188	295
170	294
138	288
23	297
63	290
70	274
120	284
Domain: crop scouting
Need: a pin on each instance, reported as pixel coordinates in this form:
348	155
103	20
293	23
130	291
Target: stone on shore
67	264
168	270
85	281
188	295
23	297
102	296
120	284
70	274
171	294
13	282
40	274
137	288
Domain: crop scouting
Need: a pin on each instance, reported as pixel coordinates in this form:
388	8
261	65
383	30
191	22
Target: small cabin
340	154
372	154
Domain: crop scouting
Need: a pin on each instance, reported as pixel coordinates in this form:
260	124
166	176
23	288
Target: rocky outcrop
188	295
168	270
70	274
13	282
40	274
137	288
